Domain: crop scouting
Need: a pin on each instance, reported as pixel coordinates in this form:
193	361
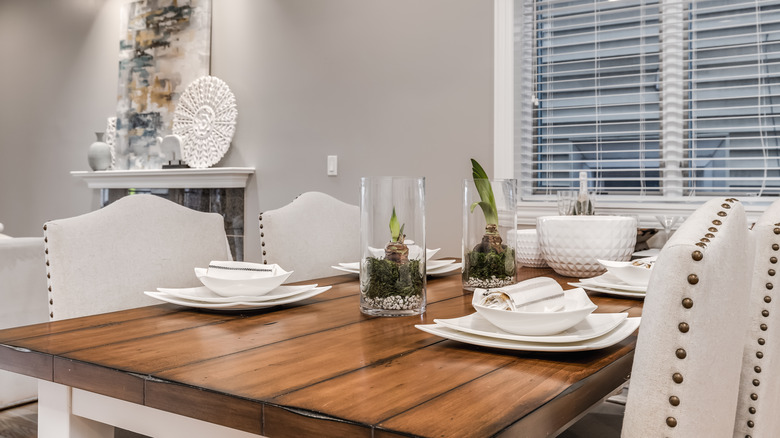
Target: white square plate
594	325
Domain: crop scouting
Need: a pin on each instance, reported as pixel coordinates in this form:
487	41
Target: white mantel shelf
209	178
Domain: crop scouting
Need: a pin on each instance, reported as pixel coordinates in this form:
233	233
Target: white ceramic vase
99	155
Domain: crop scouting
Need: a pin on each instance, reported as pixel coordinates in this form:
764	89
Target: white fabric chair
685	377
311	234
758	404
23	301
104	260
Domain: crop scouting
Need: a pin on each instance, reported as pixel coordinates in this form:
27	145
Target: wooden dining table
318	367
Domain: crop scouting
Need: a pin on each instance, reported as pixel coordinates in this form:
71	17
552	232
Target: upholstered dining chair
685	377
22	302
311	234
104	260
758	403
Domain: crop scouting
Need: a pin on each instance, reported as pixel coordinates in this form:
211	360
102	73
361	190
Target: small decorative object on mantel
488	255
392	266
205	118
99	155
170	145
110	139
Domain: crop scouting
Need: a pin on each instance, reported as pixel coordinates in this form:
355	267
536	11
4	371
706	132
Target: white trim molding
503	89
209	178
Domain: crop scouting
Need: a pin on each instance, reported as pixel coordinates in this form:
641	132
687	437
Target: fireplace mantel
209	178
215	189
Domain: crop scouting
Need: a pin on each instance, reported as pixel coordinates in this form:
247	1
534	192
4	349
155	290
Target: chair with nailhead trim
309	235
104	260
23	298
685	377
758	404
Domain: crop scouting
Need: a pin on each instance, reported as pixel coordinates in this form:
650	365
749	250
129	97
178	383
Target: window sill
646	212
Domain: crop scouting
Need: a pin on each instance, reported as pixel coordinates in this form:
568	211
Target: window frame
645	209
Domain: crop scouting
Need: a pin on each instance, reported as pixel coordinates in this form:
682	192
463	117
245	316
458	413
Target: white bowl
415	251
576	308
529	253
572	245
636	272
242	279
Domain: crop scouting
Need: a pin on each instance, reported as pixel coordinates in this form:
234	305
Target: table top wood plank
234	412
400	383
98	379
274	369
173	350
24	361
134	329
46	329
504	395
281	422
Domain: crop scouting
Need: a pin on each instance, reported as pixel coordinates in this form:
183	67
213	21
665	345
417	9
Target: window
659	101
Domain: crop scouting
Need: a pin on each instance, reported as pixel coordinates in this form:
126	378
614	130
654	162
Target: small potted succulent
488	257
392	278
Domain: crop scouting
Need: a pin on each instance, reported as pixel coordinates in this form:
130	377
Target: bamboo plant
490	263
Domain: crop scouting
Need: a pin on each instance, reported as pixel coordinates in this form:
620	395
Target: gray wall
393	87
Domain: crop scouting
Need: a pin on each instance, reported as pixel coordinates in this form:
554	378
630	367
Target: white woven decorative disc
205	118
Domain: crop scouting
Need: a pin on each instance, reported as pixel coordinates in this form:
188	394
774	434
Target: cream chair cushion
22	302
104	260
685	376
758	404
310	235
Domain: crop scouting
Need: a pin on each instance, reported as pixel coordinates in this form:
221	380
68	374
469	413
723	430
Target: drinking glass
668	222
566	201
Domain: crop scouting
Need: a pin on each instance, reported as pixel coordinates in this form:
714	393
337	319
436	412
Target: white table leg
56	418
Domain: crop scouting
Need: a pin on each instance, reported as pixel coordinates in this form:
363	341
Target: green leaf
395	227
485	190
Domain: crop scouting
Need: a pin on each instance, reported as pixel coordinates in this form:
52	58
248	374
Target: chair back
758	404
104	260
311	234
685	377
23	302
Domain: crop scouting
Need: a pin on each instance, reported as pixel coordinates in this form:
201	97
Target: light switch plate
333	165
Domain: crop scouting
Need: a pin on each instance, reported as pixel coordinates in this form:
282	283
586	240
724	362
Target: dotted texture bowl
572	245
529	253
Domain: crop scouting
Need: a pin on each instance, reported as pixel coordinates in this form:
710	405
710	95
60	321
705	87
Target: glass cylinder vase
488	250
392	240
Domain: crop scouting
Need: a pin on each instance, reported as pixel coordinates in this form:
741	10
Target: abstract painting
164	45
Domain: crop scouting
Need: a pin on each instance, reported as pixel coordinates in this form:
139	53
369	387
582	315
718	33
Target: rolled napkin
231	270
541	294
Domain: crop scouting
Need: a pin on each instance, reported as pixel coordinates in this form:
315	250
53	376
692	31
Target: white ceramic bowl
415	252
529	253
572	245
576	308
636	272
239	282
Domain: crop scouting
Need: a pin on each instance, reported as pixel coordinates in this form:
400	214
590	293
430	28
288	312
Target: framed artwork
164	45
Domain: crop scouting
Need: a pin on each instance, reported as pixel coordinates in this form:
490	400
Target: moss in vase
491	264
387	278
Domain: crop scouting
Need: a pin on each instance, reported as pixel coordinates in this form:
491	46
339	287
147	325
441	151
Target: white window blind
666	100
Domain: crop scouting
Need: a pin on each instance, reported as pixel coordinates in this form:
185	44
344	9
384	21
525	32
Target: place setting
626	279
535	315
432	267
230	285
